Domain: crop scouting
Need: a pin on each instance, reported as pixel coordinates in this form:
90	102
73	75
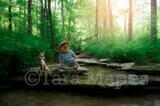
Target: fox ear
42	52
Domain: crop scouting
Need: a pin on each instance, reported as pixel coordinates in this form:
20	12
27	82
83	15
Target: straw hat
63	43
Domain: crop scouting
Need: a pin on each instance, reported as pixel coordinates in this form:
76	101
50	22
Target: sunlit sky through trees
83	14
141	11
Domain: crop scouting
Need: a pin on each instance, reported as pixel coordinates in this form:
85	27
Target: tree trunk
69	20
105	16
19	23
125	23
29	30
37	12
153	20
45	9
42	18
69	34
24	20
130	21
62	15
96	25
10	15
55	5
110	18
50	22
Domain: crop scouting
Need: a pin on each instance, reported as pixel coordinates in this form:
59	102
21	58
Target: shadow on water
52	97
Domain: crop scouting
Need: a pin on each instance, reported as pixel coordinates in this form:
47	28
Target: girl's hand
81	55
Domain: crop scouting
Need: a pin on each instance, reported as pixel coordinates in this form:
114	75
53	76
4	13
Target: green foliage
19	49
139	50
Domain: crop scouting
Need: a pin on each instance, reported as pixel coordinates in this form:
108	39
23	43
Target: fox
42	63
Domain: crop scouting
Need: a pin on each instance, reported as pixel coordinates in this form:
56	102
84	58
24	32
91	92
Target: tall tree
62	15
24	16
153	20
125	12
37	12
29	30
96	25
10	15
42	18
125	23
46	9
19	20
70	13
55	5
130	21
105	15
110	17
69	27
50	22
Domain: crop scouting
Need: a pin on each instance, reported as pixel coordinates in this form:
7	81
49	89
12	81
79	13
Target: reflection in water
52	98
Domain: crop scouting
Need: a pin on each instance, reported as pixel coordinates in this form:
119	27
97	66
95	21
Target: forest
122	30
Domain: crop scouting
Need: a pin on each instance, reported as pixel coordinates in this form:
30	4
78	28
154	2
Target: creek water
96	76
52	98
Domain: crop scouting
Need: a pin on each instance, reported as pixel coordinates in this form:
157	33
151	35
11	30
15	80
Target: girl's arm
73	54
60	58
